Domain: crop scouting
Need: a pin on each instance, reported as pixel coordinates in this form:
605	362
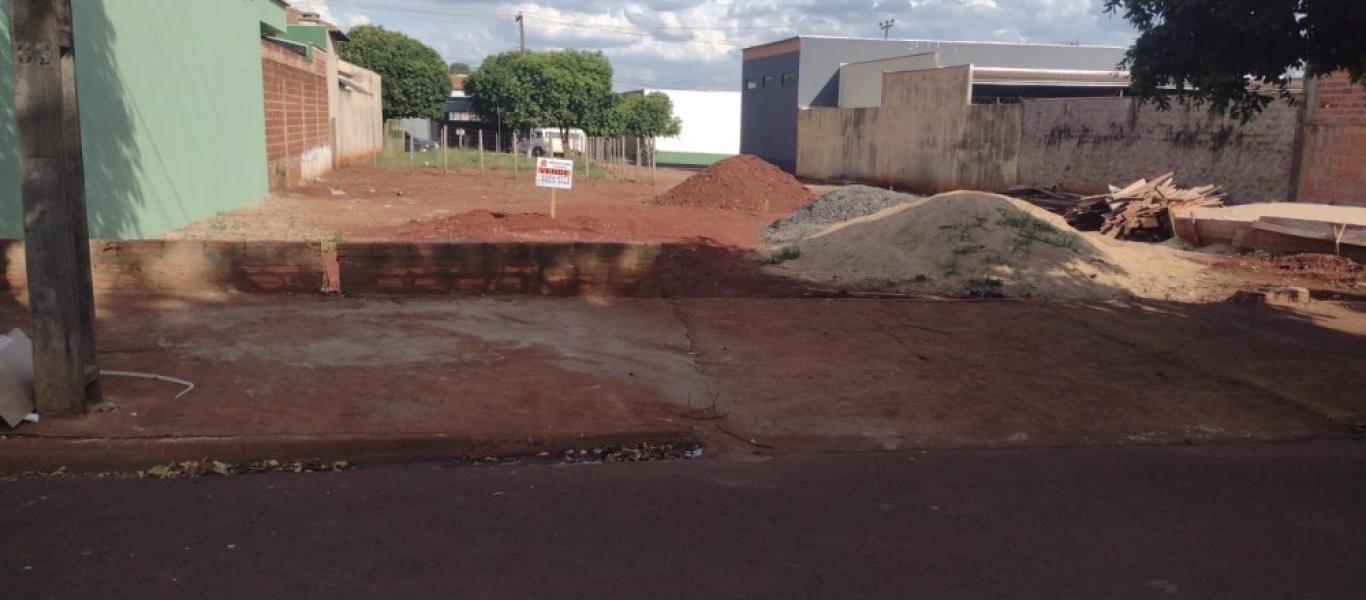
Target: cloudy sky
695	44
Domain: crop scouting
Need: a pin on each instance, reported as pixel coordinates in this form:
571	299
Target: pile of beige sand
976	243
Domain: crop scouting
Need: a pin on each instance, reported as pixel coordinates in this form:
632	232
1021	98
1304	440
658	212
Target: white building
711	126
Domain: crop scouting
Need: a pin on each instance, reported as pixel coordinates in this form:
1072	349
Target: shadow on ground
824	373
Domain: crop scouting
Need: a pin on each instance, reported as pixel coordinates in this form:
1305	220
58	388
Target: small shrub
783	255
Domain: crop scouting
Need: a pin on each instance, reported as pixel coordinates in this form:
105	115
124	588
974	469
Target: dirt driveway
790	373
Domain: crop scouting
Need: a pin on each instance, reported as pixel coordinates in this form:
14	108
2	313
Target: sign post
556	174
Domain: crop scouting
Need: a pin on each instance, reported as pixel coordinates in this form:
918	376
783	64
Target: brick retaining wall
399	268
546	269
184	266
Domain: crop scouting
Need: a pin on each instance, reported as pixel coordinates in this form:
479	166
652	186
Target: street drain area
593	455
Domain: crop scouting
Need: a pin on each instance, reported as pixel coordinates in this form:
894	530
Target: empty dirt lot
366	202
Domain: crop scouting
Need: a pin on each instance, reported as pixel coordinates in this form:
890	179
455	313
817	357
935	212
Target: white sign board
555	173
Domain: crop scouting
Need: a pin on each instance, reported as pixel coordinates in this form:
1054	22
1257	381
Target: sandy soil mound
843	204
738	183
980	244
489	225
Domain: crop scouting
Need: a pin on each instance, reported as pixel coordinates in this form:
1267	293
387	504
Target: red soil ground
1327	276
370	203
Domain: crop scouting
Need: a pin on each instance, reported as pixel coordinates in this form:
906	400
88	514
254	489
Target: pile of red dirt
489	225
1319	264
741	182
1318	272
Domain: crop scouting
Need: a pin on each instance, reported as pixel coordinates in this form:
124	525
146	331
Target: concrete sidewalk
383	379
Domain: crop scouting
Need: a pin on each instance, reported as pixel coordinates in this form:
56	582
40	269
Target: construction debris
1047	197
1140	211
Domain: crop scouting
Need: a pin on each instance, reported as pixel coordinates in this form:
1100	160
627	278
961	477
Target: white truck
548	141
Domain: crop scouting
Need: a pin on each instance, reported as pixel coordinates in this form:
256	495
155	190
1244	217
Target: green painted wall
172	113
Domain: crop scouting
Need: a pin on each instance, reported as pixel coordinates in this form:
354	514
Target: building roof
919	41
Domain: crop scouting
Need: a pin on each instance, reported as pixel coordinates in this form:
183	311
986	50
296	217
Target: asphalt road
1269	521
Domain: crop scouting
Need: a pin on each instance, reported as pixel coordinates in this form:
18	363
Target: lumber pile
1140	211
1047	197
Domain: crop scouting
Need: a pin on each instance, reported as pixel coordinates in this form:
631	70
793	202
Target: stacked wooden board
1139	211
1142	210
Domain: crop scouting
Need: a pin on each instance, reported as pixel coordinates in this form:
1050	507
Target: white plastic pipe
188	386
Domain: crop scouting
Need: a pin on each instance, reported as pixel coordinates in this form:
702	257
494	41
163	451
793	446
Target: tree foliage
415	81
649	115
459	68
564	89
1237	55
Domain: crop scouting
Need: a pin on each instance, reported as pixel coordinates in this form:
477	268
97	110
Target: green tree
650	115
459	68
415	78
1237	55
564	89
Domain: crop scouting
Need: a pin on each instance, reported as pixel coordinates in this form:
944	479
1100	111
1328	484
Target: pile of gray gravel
843	204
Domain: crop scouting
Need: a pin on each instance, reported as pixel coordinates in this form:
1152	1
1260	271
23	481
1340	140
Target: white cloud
696	43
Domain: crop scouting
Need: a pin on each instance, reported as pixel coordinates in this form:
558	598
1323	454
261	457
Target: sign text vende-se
555	173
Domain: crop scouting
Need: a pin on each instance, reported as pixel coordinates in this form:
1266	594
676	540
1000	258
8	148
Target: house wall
1333	166
860	84
359	116
926	136
171	115
1085	144
298	137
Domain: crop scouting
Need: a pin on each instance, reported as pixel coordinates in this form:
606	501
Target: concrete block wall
359	115
926	137
1333	155
1085	144
298	127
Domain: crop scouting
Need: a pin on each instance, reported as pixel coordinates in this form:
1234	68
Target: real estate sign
555	173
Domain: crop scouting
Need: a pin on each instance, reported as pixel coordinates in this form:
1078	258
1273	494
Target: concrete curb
29	454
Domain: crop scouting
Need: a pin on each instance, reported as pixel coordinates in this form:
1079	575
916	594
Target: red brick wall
298	131
542	269
1333	151
188	266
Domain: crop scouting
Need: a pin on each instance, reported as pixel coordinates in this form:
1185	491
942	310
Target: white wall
711	122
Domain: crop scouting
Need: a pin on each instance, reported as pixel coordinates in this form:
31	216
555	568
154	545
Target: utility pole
886	26
56	241
521	32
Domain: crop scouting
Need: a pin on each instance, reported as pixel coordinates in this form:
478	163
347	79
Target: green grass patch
466	159
689	158
1030	230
